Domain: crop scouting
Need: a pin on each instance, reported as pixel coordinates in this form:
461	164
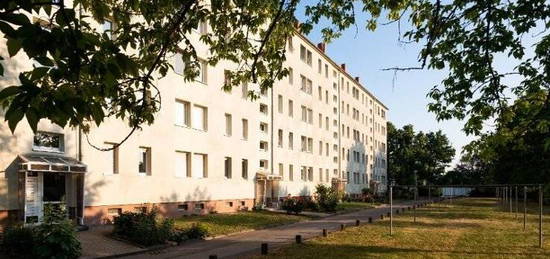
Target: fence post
524	206
391	210
516	190
540	215
511	199
264	249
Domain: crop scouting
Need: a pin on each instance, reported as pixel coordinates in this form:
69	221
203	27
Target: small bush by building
143	228
292	205
48	240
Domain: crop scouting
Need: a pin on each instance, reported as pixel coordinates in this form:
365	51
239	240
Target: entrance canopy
50	163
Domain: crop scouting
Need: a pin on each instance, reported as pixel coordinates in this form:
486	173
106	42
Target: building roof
50	163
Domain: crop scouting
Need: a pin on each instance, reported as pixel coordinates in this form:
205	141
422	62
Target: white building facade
208	150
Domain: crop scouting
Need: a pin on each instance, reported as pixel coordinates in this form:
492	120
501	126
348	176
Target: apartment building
208	150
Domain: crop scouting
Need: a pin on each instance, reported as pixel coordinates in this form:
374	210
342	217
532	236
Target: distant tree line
428	154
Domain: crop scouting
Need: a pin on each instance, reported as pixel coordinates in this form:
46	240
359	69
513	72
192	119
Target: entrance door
54	196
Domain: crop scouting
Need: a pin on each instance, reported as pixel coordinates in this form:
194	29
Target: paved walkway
95	243
249	243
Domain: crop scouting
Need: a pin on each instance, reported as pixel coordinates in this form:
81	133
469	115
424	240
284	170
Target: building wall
164	187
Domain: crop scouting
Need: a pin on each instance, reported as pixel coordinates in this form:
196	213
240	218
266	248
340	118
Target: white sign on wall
33	197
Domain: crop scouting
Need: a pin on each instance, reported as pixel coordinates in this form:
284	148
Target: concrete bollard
370	219
325	233
342	226
298	239
264	248
357	222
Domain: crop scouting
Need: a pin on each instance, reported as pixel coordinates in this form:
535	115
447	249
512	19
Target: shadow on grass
310	250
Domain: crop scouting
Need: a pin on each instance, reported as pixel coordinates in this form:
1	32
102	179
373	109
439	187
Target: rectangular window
244	88
183	113
280	103
303	173
183	164
290	140
245	129
310	145
280	138
326	71
264	164
310	116
226	78
203	71
320	121
290	108
200	166
227	167
263	127
320	148
304	144
303	54
179	65
199	117
263	108
304	114
320	174
112	159
319	66
48	142
320	93
144	165
228	125
310	174
263	146
244	168
290	172
281	171
290	76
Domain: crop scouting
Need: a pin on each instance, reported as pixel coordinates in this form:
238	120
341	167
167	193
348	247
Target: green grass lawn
222	224
467	228
348	206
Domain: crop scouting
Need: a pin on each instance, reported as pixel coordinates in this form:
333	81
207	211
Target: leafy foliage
426	153
292	205
48	240
82	75
517	151
143	228
327	197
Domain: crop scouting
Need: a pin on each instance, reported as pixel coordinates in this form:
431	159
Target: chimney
343	66
321	46
357	79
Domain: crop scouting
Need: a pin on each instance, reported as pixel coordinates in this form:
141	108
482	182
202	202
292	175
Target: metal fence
506	195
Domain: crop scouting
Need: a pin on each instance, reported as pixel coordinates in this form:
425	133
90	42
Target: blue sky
366	53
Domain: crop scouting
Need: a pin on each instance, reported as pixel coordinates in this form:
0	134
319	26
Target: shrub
56	240
292	205
328	197
196	231
311	205
48	240
17	241
143	227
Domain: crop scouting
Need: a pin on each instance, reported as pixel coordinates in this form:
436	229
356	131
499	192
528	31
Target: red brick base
96	215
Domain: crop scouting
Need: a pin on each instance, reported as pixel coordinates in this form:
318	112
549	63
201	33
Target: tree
516	151
82	75
426	153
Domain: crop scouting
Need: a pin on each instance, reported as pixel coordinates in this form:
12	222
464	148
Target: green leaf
13	118
14	45
32	118
9	91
